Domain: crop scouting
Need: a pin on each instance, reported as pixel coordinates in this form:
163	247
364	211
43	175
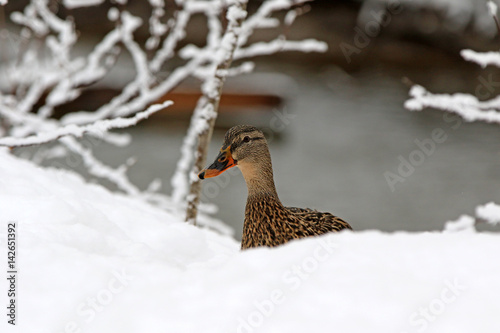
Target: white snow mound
93	261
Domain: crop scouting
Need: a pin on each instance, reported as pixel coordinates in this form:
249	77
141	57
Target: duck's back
318	222
271	224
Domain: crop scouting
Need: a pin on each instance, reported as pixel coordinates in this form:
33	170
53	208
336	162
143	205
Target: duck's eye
222	159
246	139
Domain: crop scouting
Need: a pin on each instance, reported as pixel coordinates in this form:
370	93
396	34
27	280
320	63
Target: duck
267	221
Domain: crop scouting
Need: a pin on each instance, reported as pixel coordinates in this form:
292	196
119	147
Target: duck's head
243	146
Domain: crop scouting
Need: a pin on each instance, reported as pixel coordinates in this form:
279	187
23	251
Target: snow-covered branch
483	59
466	106
98	128
280	45
206	113
98	169
469	107
53	64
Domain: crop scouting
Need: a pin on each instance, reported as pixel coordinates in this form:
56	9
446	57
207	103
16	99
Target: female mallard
267	221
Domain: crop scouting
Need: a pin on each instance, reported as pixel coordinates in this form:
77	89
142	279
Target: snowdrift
93	261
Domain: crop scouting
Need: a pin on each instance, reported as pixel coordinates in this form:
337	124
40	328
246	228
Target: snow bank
93	261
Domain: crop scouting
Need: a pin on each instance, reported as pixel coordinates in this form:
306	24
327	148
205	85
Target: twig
407	82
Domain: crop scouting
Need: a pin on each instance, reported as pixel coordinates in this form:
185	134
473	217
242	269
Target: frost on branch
49	64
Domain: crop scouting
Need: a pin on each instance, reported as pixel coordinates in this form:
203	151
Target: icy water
340	140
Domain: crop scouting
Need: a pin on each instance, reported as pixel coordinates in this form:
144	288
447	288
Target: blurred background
336	121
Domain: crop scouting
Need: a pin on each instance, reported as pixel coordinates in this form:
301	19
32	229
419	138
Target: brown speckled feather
269	223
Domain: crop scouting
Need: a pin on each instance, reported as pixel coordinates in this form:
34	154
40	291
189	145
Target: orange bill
223	162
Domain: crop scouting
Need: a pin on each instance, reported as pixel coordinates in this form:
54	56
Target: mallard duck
267	221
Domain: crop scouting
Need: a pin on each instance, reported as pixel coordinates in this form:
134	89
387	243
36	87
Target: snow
265	48
58	68
483	59
70	4
290	17
156	27
464	223
467	106
93	261
199	129
113	14
235	13
492	7
483	106
489	212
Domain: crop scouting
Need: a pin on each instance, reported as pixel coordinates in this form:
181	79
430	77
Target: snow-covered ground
94	261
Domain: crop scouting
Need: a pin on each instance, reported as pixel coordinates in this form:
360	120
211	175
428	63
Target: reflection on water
336	153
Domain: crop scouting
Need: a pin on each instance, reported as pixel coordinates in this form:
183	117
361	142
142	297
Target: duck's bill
223	162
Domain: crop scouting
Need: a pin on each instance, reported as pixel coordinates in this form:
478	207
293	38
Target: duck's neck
259	178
